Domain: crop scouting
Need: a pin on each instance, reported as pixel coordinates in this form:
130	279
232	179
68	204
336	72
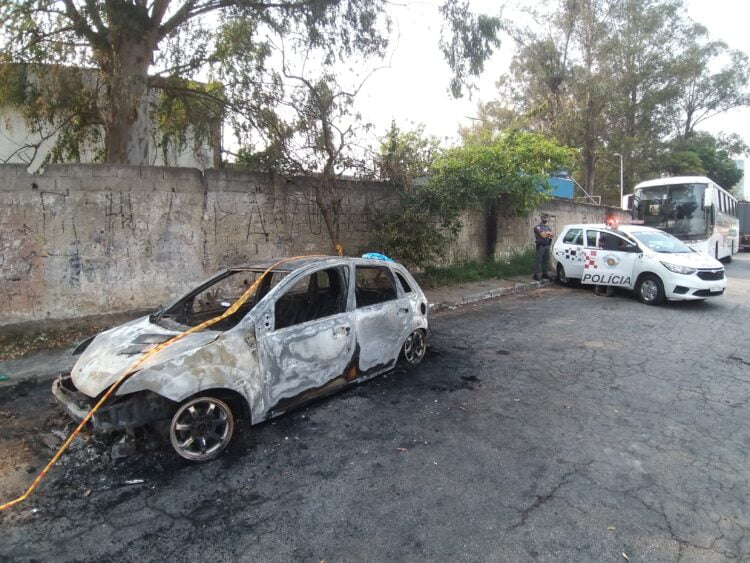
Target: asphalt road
554	424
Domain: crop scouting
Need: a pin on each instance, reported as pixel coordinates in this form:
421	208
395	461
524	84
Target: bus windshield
677	209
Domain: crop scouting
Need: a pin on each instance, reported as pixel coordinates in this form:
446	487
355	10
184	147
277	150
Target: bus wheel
650	290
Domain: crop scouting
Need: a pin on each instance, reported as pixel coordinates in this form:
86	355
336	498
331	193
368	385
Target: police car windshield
661	242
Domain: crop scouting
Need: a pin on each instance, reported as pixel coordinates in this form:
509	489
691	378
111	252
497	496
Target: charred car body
312	326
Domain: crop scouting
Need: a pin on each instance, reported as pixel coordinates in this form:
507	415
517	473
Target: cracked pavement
553	424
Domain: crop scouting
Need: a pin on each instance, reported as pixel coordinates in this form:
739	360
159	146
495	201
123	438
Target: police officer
543	236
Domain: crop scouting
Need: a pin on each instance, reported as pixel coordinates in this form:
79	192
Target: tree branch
79	22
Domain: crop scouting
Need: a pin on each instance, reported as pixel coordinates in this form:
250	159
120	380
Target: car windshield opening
677	209
217	295
662	242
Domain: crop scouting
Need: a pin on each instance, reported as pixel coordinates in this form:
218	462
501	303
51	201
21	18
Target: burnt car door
306	339
382	317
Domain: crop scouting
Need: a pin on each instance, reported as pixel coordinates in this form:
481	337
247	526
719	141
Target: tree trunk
491	230
329	204
128	123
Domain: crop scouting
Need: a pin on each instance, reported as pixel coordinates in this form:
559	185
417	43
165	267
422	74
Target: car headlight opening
677	269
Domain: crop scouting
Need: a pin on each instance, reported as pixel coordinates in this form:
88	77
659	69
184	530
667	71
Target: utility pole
621	193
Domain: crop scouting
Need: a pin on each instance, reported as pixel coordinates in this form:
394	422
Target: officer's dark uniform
542	249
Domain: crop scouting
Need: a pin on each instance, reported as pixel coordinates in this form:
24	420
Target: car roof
627	228
292	264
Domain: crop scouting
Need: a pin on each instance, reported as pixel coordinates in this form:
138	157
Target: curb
492	294
50	374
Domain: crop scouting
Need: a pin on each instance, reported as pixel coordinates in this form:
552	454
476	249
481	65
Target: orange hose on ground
130	370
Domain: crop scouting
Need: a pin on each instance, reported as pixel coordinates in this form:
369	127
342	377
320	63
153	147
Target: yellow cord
128	372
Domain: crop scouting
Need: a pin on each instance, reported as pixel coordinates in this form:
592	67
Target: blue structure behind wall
561	187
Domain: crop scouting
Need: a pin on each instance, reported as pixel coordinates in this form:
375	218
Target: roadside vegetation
517	264
500	176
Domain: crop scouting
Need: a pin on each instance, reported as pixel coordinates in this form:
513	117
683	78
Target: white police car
654	264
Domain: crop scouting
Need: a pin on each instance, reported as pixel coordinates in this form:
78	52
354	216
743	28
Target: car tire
201	428
650	290
415	347
562	277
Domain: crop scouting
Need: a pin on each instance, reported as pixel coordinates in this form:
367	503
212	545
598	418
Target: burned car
311	327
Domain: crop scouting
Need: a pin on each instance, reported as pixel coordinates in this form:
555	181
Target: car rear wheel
650	290
415	347
201	428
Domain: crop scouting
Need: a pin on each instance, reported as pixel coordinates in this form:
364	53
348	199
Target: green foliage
134	43
56	102
617	77
186	112
702	155
406	155
507	172
467	41
517	264
410	234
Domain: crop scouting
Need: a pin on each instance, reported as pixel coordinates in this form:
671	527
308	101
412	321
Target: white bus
694	209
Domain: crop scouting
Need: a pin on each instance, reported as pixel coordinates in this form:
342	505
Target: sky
414	89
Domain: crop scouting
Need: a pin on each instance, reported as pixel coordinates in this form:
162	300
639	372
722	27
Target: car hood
690	259
115	350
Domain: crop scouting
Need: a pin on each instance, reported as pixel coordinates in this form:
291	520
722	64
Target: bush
517	264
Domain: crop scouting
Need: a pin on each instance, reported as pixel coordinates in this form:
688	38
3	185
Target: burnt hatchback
310	326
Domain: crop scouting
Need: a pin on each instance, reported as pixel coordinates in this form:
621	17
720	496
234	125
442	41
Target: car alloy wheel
201	428
561	277
415	347
650	290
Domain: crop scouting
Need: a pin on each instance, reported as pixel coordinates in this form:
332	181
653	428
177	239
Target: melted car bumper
119	413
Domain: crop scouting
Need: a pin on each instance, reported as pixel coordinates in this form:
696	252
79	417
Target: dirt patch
24	338
34	426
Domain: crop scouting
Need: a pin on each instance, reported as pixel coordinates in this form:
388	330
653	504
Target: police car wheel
650	290
561	277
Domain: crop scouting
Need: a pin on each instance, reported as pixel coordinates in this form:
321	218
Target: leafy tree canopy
136	45
609	77
406	155
508	170
702	155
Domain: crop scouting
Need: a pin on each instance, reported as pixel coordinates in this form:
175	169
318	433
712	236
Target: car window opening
374	284
404	284
316	296
221	293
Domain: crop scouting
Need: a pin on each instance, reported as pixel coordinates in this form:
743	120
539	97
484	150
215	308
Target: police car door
609	259
570	253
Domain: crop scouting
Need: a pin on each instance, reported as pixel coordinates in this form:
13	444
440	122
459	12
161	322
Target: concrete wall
81	240
518	232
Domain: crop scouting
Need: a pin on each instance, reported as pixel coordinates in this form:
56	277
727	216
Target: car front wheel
650	290
201	428
415	347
